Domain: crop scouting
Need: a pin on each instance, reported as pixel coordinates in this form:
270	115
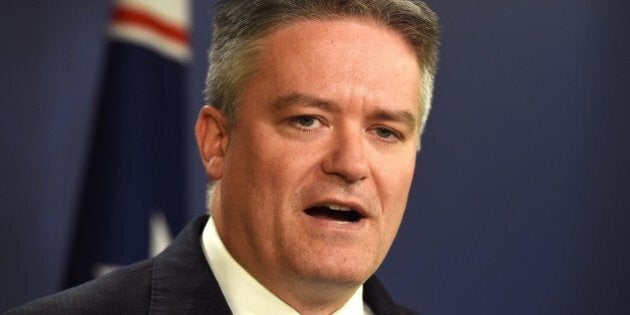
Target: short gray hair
240	24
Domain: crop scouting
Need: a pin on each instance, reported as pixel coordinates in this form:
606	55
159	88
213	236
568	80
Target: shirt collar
244	294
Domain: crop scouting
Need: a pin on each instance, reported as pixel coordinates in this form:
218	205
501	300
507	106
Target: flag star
160	235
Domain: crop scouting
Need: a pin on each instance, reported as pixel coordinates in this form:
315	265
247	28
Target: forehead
329	55
350	34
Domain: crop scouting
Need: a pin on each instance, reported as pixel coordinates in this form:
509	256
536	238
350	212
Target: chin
342	273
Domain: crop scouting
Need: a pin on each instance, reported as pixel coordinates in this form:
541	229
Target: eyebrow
399	116
300	99
305	100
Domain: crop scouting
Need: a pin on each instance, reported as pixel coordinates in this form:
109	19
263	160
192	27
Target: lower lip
328	223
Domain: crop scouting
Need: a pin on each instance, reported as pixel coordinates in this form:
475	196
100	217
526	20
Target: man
311	134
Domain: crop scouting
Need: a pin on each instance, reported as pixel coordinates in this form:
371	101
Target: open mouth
335	213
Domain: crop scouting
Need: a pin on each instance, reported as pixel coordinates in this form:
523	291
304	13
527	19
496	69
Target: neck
310	298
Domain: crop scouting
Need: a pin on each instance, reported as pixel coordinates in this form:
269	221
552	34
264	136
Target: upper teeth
337	207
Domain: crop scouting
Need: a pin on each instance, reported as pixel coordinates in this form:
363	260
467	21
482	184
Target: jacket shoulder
126	290
379	300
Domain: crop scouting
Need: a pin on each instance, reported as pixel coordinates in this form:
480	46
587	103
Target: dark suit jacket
177	281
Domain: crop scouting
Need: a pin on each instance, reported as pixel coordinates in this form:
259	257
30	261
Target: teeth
337	207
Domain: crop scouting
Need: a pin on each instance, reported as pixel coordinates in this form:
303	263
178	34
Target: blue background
521	201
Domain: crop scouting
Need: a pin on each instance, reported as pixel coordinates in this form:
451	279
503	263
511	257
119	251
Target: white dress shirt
244	294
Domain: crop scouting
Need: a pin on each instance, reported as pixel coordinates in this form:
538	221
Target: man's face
318	166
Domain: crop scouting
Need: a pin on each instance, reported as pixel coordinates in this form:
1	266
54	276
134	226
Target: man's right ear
212	133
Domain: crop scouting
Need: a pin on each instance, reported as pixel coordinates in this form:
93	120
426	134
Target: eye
387	134
384	133
306	122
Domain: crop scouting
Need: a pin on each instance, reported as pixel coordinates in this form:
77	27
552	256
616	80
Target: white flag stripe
171	11
151	39
160	235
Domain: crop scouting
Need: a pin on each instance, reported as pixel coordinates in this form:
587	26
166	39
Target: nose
346	157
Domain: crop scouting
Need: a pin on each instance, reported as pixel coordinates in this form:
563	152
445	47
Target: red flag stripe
132	16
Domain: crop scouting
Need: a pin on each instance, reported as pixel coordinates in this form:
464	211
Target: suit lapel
182	282
379	301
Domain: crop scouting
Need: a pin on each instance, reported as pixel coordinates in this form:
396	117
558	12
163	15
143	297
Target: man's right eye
306	122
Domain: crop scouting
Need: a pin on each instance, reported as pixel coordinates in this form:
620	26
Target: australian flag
133	188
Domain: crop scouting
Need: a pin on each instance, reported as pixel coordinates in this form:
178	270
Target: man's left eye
387	134
384	133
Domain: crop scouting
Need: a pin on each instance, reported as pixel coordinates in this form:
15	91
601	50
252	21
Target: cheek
271	167
393	184
289	159
394	180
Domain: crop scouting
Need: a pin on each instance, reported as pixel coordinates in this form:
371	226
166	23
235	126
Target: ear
212	133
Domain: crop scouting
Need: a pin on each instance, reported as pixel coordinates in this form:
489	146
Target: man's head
312	140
